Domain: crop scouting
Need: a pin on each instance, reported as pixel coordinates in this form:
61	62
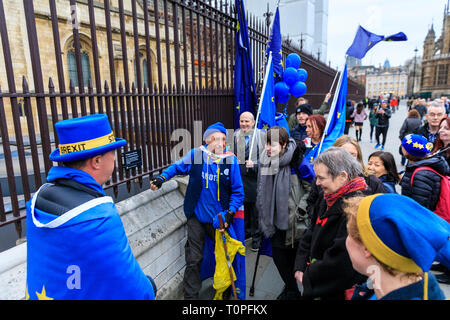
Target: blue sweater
213	171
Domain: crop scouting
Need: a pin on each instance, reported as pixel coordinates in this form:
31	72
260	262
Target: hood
437	163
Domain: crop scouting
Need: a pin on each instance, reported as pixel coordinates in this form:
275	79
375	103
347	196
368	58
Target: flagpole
333	106
266	77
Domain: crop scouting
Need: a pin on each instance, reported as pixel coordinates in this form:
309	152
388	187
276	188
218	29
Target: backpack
443	204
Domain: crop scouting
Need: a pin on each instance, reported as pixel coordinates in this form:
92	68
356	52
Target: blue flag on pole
366	40
274	46
244	82
335	121
267	103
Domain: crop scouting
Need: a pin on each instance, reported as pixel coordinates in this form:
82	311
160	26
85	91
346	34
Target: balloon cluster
294	79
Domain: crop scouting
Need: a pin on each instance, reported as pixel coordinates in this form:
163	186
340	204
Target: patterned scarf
355	184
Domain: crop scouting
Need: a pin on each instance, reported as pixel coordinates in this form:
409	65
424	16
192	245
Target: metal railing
187	48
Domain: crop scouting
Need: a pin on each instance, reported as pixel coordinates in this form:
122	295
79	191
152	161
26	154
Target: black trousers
284	259
196	233
381	131
251	220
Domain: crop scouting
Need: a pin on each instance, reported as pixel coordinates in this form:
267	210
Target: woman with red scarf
322	264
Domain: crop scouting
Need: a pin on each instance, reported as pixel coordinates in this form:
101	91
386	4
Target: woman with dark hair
359	115
382	165
442	144
273	191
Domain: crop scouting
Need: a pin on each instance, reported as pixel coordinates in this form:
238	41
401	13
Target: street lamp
414	77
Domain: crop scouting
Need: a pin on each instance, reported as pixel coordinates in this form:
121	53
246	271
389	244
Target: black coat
316	192
409	126
322	255
426	184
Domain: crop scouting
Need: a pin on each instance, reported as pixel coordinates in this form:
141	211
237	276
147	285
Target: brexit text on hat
86	145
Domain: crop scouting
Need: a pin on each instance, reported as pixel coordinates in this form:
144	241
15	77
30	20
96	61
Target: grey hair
436	104
337	160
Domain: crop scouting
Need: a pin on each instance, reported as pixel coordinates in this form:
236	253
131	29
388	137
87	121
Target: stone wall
154	223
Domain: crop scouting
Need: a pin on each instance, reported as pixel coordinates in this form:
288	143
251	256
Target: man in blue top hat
76	242
215	187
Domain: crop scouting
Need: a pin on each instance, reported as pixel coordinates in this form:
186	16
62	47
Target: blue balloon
298	89
290	76
284	99
302	75
281	89
293	60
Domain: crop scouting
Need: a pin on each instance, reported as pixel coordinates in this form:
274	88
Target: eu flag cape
83	255
244	82
208	267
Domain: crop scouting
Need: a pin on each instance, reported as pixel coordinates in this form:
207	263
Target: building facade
385	81
435	78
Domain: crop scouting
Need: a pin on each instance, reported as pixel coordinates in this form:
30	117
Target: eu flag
335	121
267	107
244	83
208	266
82	255
274	46
366	40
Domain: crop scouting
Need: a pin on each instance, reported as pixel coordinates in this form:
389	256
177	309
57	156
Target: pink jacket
359	117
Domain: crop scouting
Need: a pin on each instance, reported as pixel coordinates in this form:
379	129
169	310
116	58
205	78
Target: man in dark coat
426	185
303	111
242	140
434	116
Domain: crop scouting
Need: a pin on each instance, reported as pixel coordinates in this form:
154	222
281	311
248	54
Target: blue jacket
389	183
82	253
206	198
413	291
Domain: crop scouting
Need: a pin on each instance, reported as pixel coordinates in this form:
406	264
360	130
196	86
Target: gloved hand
227	218
157	182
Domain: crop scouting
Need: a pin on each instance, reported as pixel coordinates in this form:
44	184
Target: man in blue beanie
215	187
76	242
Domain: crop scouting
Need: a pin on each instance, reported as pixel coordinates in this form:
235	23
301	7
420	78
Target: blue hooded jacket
209	202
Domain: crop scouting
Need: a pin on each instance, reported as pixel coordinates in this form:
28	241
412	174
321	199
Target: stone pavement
268	283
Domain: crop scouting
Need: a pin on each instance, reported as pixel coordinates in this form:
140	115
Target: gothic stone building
435	79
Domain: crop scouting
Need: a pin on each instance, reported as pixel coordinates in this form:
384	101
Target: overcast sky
383	17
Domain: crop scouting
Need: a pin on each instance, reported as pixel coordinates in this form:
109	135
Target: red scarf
353	185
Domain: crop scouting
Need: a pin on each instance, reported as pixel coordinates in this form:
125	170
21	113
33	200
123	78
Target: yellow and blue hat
402	234
84	137
417	145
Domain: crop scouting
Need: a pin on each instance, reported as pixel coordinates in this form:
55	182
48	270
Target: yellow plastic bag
221	274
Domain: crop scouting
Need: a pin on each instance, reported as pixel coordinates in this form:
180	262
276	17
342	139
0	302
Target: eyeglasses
436	115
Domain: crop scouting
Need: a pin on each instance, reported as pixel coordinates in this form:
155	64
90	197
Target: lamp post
414	77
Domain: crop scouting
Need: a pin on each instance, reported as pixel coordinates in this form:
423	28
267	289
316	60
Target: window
85	67
442	74
144	73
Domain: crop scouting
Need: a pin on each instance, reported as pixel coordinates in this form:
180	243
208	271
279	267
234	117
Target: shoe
377	146
382	148
438	267
443	278
255	245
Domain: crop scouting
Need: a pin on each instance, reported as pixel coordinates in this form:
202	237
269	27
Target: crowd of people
339	228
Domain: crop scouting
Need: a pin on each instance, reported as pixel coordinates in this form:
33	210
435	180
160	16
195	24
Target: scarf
355	184
273	188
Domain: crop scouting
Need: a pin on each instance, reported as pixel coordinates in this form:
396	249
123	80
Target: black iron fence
183	57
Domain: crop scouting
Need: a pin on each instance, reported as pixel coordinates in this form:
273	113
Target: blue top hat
84	137
417	145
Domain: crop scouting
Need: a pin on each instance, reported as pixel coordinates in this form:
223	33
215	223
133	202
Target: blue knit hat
402	234
216	127
84	137
417	145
